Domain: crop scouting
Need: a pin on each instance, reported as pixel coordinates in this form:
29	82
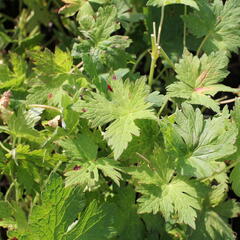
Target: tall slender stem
160	25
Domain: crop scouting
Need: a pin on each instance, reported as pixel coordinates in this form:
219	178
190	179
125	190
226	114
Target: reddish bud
50	95
14	238
5	99
84	110
109	88
77	168
114	77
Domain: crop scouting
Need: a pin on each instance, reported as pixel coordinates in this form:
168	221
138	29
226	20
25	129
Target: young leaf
51	70
127	103
161	3
199	77
103	49
218	23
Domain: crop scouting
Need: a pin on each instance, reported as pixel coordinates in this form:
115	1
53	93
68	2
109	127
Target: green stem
202	43
163	106
53	171
8	191
160	25
17	192
45	107
155	56
165	56
4	148
139	60
184	28
161	73
152	69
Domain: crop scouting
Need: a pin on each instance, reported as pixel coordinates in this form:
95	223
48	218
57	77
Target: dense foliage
115	120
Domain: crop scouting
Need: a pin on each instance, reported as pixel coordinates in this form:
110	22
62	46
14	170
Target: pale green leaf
199	77
88	174
126	104
198	143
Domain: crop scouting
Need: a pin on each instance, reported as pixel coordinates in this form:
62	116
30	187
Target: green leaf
164	193
211	226
199	77
6	210
87	174
161	3
234	177
81	147
82	7
128	223
59	209
22	125
110	169
100	50
126	104
15	77
198	143
52	70
94	223
150	133
178	197
229	209
218	23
